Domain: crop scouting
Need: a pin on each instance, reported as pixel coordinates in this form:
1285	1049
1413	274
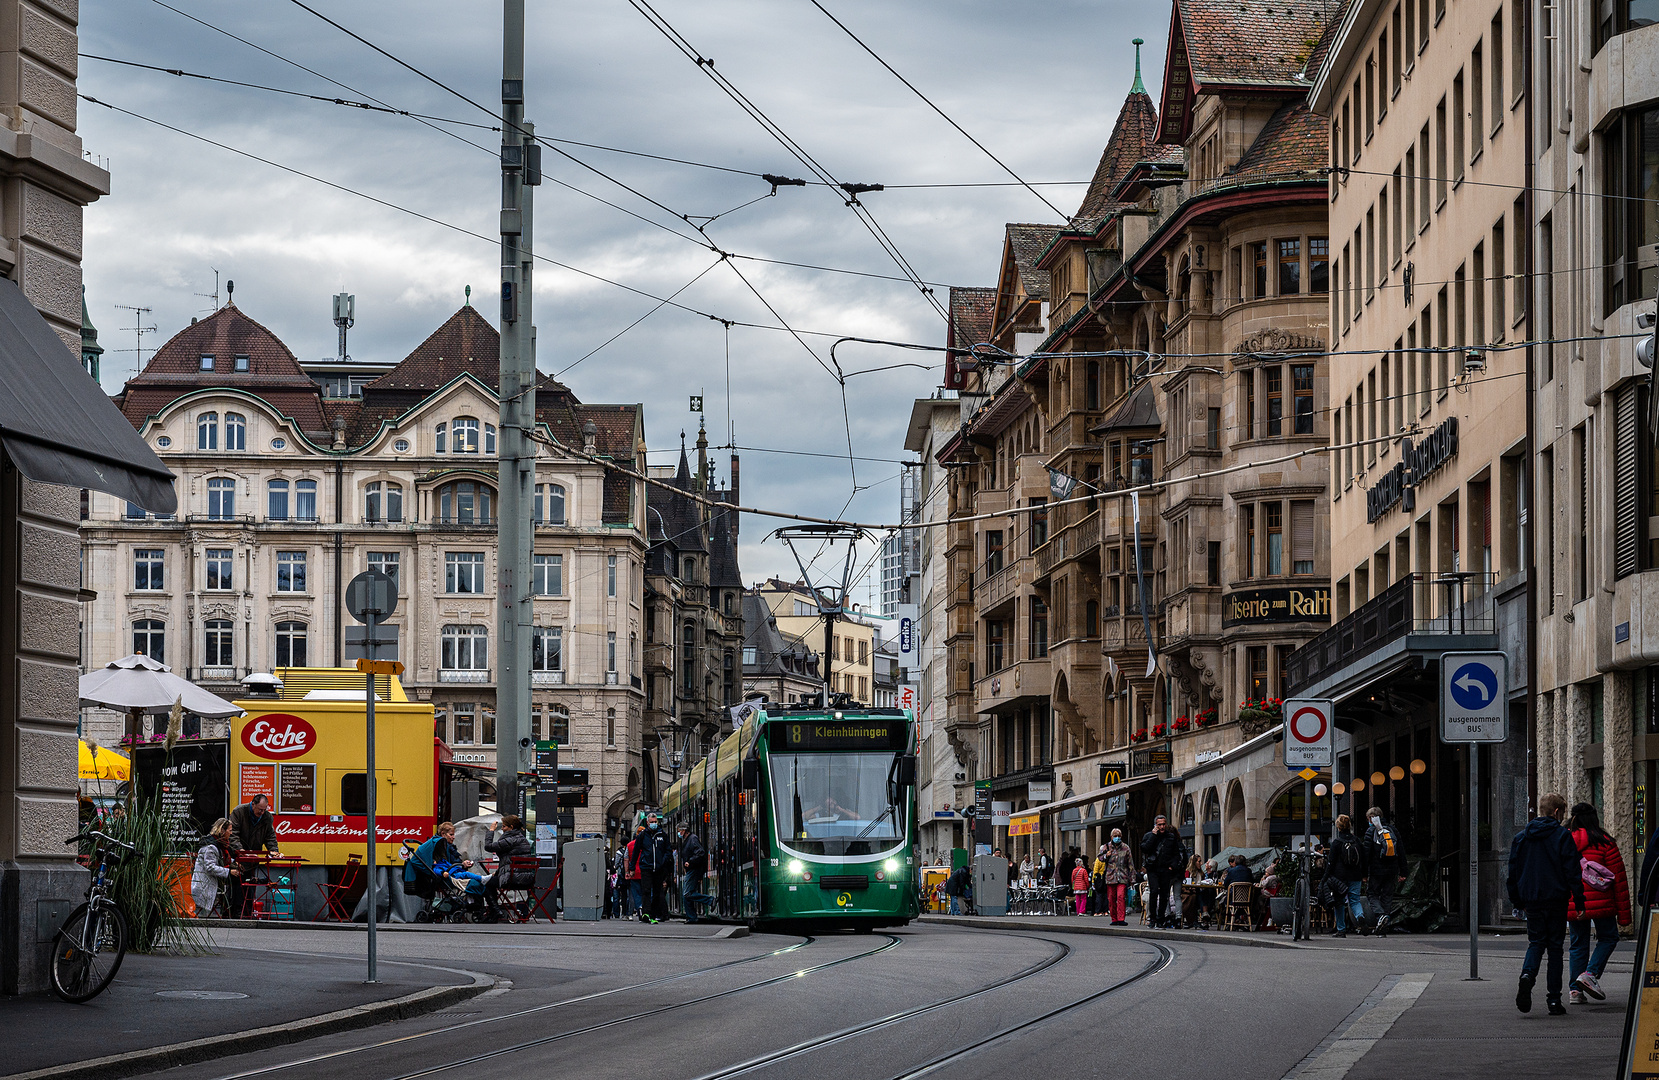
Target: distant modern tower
901	552
91	351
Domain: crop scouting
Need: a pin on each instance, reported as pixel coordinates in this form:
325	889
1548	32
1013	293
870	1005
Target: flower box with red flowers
1204	718
1138	736
1158	731
1182	723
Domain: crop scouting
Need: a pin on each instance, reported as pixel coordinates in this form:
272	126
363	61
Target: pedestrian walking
212	867
1162	856
1097	883
1382	853
694	863
654	858
1606	905
635	888
619	883
1345	866
1080	885
1544	878
1120	872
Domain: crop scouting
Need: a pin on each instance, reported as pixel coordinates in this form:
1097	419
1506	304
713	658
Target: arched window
218	642
383	502
688	656
236	431
550	504
558	724
221	498
489	438
464	502
690	568
276	500
466	648
305	500
439	440
207	431
465	430
290	644
149	638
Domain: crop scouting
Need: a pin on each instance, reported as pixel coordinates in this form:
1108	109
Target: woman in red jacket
1607	907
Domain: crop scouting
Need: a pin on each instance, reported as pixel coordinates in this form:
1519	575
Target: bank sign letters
1416	464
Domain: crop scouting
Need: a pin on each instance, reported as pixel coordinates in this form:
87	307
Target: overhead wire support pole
520	168
829	608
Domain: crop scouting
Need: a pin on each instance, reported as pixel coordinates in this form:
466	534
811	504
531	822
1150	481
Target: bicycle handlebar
94	833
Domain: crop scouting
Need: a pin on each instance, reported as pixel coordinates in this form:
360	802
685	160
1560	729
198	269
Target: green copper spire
1139	87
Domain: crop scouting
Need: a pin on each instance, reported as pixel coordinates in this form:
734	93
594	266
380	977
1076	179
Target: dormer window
207	361
241	363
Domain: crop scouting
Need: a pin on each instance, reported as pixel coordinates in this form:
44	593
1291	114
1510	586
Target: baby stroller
443	899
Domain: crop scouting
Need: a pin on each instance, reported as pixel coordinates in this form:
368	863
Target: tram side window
354	793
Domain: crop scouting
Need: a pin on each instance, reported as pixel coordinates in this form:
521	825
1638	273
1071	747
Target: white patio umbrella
137	684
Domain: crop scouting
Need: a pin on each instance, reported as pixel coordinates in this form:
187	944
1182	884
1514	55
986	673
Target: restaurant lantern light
1377	779
1419	766
1357	786
1338	789
1320	790
1396	773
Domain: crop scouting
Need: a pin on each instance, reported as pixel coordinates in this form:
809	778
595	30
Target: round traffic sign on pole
371	595
1308	724
1309	735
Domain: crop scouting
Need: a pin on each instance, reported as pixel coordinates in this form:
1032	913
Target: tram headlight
795	867
891	866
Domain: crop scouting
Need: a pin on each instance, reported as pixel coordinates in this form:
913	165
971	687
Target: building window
386	562
550	504
1091	618
465	715
1290	267
610	727
1256	680
305	500
276	500
691	570
548	573
440	439
463	571
1258	260
751	655
149	638
1275	400
465	648
1247	541
135	512
148	566
1319	265
688	656
217	643
1091	385
207	431
610	575
290	571
1247	402
558	724
1301	385
1039	628
547	651
465	433
236	431
464	503
489	438
217	562
207	362
994	641
1140	461
382	501
1273	520
1213	562
242	362
221	499
993	551
610	652
1632	225
290	644
1619	17
1303	536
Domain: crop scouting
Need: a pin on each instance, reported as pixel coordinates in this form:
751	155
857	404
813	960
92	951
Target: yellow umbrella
102	763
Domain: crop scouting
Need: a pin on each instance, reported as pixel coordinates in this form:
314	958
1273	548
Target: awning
58	427
1098	794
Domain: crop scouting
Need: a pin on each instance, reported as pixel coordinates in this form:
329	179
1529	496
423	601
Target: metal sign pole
1307	858
372	784
1474	862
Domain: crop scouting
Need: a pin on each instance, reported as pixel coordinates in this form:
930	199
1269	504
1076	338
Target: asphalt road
945	1001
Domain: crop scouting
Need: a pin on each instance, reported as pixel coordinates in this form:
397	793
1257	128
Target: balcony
546	678
993	589
1020	682
1072	542
1398	621
464	675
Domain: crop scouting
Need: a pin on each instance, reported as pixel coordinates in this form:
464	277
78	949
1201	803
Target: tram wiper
884	814
795	782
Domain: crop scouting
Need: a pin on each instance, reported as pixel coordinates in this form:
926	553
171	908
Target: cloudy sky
1039	85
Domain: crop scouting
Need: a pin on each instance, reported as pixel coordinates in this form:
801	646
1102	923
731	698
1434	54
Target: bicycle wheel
88	951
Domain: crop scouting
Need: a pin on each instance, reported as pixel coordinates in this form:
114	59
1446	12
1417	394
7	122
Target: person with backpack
1606	905
1345	866
1545	879
1382	853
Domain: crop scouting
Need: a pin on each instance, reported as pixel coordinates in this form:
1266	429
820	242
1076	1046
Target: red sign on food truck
279	735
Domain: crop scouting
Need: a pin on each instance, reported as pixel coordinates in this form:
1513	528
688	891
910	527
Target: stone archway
1234	823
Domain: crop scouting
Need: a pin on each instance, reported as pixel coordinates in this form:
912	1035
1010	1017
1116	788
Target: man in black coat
694	863
1544	874
1163	856
654	856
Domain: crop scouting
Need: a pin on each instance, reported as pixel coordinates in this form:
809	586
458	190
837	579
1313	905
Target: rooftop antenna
214	295
138	330
830	605
345	315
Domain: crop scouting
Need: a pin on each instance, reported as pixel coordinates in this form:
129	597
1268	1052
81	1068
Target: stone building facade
286	494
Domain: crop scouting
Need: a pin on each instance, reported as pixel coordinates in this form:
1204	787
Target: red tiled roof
1258	42
1132	138
465	342
1295	139
1026	243
972	310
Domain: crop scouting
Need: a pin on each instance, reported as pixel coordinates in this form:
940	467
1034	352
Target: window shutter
1626	498
1302	532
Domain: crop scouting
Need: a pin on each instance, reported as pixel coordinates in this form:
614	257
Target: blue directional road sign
1473	703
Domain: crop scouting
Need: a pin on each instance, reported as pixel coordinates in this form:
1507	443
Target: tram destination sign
887	735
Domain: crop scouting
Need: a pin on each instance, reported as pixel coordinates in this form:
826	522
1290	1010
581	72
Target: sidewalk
163	1011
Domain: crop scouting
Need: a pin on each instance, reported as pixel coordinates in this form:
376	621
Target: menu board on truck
296	789
190	781
256	780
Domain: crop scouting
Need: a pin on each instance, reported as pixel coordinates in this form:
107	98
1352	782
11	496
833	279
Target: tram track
265	1070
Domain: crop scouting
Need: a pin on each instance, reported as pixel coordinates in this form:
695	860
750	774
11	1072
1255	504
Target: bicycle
88	949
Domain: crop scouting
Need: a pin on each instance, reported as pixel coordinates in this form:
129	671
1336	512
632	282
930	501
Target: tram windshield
835	803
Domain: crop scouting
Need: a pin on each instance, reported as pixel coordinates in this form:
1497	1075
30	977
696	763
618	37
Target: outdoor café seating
1239	911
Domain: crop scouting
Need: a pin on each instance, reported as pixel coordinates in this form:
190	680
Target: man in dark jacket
510	843
654	856
1382	856
1543	876
251	829
694	863
1345	866
1162	856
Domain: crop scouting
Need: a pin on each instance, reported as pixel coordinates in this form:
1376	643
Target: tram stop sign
1474	704
1310	736
371	595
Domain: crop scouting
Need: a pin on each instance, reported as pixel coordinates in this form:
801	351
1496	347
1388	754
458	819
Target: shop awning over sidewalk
1031	816
58	427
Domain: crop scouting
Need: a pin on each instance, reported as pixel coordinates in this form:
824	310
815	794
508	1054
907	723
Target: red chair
334	895
546	901
517	903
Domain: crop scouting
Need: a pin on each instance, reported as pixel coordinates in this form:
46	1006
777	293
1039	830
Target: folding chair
516	900
545	901
334	896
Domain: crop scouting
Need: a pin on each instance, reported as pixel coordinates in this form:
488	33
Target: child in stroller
437	874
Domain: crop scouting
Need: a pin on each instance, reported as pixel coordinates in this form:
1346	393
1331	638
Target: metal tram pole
369	642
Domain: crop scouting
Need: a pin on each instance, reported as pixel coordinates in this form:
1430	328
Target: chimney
339	433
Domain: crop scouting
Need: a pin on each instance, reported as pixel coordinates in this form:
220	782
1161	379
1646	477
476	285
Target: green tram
808	815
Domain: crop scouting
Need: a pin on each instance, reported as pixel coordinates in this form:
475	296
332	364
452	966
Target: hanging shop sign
1417	463
1254	606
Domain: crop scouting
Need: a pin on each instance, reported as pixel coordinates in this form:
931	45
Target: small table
259	893
1193	898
